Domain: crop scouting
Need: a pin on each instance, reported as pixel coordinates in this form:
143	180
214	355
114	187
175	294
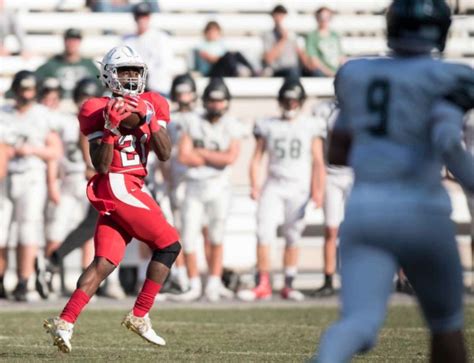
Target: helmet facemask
291	102
125	85
216	108
184	96
119	58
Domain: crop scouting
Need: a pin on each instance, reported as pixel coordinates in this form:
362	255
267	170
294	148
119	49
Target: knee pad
167	255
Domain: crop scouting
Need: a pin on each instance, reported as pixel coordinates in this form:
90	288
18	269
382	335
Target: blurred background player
208	146
6	152
70	66
82	234
339	181
119	146
68	205
34	144
184	96
401	119
294	143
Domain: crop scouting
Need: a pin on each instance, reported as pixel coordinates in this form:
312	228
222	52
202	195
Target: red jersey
132	147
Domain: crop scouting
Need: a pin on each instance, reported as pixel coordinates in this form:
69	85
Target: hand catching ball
131	121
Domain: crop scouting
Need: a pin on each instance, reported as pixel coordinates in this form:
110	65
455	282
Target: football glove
137	105
115	112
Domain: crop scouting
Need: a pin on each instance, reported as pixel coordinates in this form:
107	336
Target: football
131	121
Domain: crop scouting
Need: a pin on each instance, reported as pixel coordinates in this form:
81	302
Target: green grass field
278	334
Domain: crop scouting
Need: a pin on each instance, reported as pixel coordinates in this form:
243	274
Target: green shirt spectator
323	47
69	67
326	48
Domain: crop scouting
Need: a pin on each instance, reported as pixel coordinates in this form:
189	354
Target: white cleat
188	296
114	291
161	297
215	292
61	331
292	294
143	328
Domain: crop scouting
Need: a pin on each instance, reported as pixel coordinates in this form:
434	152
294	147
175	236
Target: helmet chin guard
119	57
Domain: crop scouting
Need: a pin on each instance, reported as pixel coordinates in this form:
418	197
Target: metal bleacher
245	6
359	22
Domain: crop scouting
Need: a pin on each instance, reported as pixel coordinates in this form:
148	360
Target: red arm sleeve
91	118
162	109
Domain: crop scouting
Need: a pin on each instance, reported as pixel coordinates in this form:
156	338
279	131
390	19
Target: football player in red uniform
119	148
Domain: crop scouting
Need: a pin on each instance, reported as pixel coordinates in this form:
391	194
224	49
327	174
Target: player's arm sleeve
446	135
161	110
259	130
318	128
89	120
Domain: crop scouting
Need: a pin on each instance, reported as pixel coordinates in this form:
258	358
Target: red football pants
126	211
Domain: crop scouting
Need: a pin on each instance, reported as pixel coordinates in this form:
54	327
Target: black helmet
216	90
418	25
182	83
49	85
23	79
86	87
292	89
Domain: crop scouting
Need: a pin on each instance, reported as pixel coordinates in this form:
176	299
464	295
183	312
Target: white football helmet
123	56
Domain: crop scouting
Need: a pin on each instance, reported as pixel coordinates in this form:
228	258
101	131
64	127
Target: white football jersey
175	128
289	146
326	113
32	128
67	126
386	104
213	136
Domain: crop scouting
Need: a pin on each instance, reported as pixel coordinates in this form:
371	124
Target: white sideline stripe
119	189
95	135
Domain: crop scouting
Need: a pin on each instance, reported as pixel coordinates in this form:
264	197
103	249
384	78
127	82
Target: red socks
143	304
264	278
74	306
146	298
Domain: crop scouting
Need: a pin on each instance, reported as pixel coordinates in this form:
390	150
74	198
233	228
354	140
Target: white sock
213	281
182	277
291	271
195	283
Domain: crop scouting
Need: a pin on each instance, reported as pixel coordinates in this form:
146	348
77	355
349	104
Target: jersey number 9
378	97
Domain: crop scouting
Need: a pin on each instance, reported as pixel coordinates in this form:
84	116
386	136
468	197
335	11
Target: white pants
281	199
206	202
177	194
71	210
6	209
27	193
338	188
